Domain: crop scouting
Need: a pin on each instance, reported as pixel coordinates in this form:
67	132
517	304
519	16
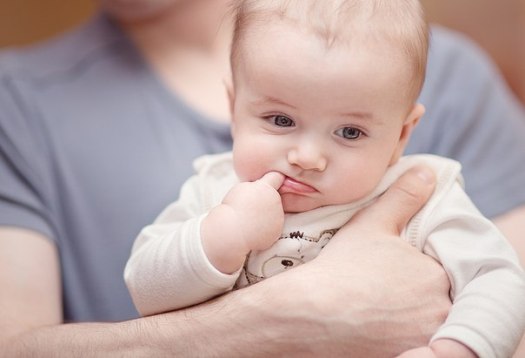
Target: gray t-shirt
93	147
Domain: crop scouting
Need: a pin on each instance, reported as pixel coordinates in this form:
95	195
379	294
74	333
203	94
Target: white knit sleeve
168	268
488	287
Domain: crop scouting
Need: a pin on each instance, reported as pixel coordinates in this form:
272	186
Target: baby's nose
308	156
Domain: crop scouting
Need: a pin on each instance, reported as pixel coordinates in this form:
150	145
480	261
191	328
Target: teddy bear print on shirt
290	250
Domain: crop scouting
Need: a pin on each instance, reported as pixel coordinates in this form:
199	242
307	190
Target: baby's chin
293	203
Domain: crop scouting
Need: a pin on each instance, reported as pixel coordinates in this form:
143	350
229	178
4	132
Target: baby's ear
414	116
231	100
231	94
409	124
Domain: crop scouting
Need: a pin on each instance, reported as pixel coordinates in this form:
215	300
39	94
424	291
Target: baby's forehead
303	74
334	18
323	19
397	25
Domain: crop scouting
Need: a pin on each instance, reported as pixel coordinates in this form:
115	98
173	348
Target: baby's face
332	120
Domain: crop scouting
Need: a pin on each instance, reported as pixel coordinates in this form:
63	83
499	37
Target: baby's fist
259	209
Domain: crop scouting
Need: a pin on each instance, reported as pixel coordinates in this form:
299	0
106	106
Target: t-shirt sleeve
474	118
22	181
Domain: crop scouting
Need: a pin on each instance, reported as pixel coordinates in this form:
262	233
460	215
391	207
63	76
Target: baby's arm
171	267
440	348
488	286
250	218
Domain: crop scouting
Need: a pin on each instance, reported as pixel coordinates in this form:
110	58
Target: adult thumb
400	202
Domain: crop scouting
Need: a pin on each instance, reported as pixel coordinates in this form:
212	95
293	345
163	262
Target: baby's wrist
222	240
449	348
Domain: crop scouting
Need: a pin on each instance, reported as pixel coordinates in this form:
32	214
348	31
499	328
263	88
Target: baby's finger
273	179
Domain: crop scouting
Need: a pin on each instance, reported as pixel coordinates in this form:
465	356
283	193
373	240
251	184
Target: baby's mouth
291	185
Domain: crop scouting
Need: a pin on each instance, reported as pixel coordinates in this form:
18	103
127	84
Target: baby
323	102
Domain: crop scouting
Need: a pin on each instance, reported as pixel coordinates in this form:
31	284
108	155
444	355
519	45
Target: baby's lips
291	185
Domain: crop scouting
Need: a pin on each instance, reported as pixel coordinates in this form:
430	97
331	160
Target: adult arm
31	320
292	314
30	281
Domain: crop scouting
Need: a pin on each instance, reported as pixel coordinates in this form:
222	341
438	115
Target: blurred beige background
497	25
27	21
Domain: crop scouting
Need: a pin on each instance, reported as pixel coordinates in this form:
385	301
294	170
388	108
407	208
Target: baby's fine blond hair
339	21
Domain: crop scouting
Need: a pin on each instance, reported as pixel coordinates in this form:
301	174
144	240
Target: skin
310	153
33	326
187	44
30	313
259	320
324	130
307	137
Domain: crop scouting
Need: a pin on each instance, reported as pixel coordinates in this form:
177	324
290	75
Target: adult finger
401	201
273	179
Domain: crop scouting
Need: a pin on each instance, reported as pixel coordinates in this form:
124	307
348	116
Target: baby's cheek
254	156
247	168
352	187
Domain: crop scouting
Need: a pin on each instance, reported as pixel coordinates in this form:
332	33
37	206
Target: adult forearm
84	340
312	312
368	294
234	325
259	321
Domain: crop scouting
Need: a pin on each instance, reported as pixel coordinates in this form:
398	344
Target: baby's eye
349	133
282	121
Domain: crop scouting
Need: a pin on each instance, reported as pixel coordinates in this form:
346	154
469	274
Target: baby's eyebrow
360	115
271	100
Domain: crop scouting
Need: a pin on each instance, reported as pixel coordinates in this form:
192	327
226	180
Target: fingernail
426	175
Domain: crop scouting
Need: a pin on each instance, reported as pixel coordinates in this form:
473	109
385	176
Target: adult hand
368	294
403	295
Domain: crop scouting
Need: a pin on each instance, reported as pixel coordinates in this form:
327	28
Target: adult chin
132	10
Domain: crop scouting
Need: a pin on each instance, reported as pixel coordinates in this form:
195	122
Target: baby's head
325	92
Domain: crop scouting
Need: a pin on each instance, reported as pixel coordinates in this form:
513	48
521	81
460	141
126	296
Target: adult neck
184	26
187	45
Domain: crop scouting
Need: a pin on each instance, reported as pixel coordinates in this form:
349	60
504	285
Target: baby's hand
440	348
250	217
259	210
